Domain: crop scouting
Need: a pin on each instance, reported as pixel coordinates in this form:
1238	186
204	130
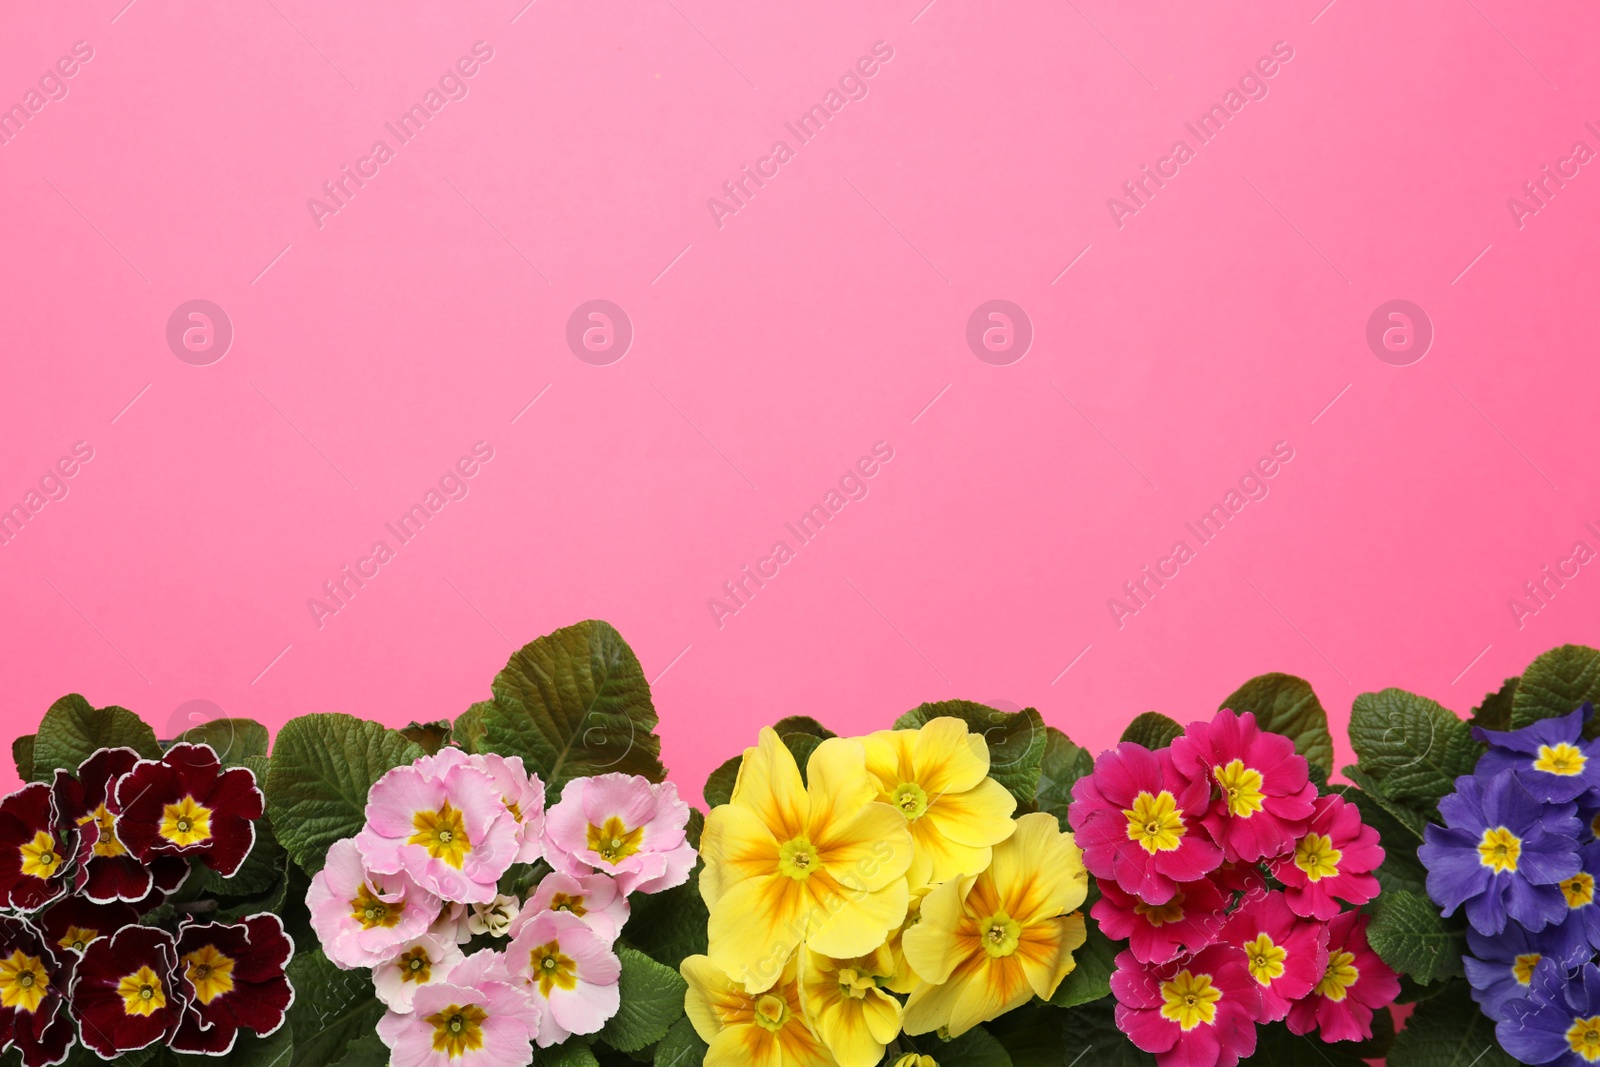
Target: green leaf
670	925
1400	868
975	1048
1405	822
430	736
1555	684
1495	711
72	731
1410	747
22	756
233	740
1016	740
1448	1031
800	734
681	1047
468	729
652	1000
332	1008
1094	963
260	871
368	1050
1409	934
570	1053
575	703
1063	764
1153	730
1286	705
321	769
275	1050
720	783
1276	1047
1031	1035
1090	1036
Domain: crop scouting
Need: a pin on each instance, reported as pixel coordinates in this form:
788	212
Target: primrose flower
33	984
478	1018
451	833
743	1028
126	995
232	979
1550	756
916	1059
622	825
185	804
845	1003
1137	819
33	857
362	918
1502	854
570	973
1559	1023
419	962
1583	910
107	870
1332	861
594	898
822	862
1201	1012
1286	955
1500	969
1354	984
521	792
72	924
1264	787
493	918
1158	933
988	943
938	778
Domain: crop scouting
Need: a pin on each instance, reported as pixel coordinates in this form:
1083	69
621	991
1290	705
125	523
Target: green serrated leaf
1411	748
1031	1035
73	730
670	925
1448	1030
1063	764
571	1053
22	756
720	783
1495	711
975	1048
1409	934
332	1008
1090	1033
1404	821
1153	730
260	871
1287	705
368	1050
652	1000
1555	684
468	728
233	740
1016	740
317	781
1094	963
1277	1047
429	736
575	703
681	1047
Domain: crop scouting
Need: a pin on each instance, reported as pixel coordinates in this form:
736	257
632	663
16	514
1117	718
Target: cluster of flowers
1224	870
422	879
83	860
1518	853
893	870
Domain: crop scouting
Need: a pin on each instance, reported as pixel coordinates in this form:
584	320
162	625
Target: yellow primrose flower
846	1006
902	978
744	1028
938	778
987	943
822	862
914	1059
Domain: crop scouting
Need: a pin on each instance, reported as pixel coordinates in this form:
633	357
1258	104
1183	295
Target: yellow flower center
370	911
141	992
39	856
1156	822
797	858
106	843
210	972
1265	959
457	1030
552	968
1189	1000
562	902
1522	969
186	823
1161	914
999	934
443	833
415	966
614	841
1241	788
78	938
911	799
1499	849
513	807
771	1012
1562	759
855	984
1340	975
1579	890
23	983
1315	855
1584	1038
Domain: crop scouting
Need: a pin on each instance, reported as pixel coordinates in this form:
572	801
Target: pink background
771	352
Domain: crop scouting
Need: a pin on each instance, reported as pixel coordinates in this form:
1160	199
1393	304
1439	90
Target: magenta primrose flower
1285	954
362	918
624	826
1332	861
570	974
1355	983
1199	1012
1264	790
1159	933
